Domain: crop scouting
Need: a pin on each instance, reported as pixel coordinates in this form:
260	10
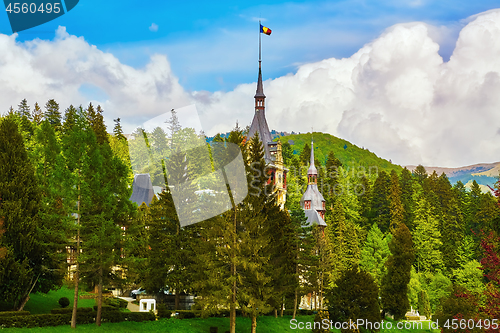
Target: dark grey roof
259	124
260	86
312	193
313	217
142	189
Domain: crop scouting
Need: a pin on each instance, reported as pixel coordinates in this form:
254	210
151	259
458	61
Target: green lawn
197	325
43	303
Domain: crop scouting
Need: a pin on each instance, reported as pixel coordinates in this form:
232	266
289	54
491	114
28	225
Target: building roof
313	217
312	169
314	195
142	189
260	86
259	124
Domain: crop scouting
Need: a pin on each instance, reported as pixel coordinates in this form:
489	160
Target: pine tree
427	239
75	137
424	307
52	114
374	254
394	293
381	211
342	241
52	176
24	109
406	185
281	266
117	130
37	114
253	255
364	198
96	122
305	155
303	244
420	173
24	256
396	208
355	297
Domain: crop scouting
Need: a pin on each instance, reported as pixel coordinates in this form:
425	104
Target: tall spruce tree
37	114
380	207
374	254
52	176
427	239
22	263
396	207
52	114
355	297
406	184
254	288
394	293
24	109
75	136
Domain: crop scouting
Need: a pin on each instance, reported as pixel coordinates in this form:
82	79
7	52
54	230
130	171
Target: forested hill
349	154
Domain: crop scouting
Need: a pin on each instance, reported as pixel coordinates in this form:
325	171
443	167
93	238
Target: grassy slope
351	156
198	325
43	303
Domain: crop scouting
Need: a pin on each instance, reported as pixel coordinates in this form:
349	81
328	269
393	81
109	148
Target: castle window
307	204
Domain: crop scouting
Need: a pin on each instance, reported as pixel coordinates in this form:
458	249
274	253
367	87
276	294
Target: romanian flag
265	30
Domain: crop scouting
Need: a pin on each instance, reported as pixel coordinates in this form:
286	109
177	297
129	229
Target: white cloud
153	27
395	96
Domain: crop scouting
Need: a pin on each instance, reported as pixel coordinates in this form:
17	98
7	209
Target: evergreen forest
394	241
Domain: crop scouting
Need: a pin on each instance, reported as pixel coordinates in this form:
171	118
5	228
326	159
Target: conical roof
142	189
260	86
312	169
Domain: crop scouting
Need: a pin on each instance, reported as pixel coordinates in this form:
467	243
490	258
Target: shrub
318	322
424	306
116	302
69	310
188	314
106	308
63	302
355	297
163	312
14	313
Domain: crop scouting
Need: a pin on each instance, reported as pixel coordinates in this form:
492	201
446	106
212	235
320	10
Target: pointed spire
312	169
260	86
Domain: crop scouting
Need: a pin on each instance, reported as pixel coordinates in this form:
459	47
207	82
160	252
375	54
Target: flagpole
259	44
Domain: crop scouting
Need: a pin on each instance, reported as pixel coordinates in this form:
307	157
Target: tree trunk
295	304
275	313
254	324
282	306
75	300
232	314
99	299
23	303
177	299
77	272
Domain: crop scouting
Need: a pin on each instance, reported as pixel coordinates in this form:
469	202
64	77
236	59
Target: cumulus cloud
39	70
395	96
153	27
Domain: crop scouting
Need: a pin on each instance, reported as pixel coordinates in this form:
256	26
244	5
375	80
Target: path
131	306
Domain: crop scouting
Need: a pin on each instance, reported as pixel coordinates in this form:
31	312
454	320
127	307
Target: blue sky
212	45
414	81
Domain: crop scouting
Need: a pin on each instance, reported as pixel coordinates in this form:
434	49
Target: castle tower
272	150
312	202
